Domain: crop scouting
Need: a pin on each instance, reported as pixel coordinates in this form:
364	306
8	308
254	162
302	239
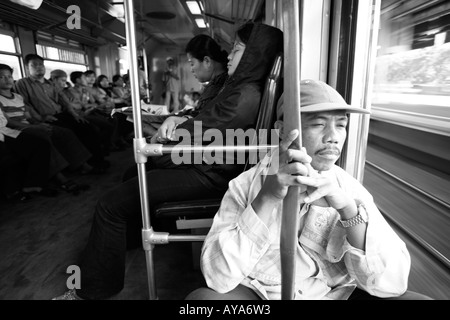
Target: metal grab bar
291	120
144	150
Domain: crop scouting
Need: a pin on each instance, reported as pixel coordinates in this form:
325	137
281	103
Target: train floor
40	238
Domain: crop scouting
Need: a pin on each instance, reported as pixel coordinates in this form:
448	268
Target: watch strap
352	221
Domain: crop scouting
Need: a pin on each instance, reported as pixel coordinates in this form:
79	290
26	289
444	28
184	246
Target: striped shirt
3	123
14	109
241	249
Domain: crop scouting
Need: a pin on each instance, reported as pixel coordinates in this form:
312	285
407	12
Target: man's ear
207	61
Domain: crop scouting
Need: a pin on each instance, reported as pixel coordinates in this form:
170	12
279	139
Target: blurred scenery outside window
412	72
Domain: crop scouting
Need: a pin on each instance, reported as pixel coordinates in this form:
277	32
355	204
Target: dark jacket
237	104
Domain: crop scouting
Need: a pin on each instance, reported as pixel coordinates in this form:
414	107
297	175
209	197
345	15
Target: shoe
46	192
74	188
68	295
19	196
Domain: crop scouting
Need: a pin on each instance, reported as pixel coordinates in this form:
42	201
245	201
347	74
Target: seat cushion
192	209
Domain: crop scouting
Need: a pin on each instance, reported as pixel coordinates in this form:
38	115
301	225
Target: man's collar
37	80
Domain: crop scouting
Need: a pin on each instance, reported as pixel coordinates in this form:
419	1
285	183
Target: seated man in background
98	87
42	100
120	90
66	150
81	103
345	248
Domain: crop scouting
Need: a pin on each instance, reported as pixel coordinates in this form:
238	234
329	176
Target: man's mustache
333	150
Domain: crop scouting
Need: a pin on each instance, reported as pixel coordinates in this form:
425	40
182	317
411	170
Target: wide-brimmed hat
317	96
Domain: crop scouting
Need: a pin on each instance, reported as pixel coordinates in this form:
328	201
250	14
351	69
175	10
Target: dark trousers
88	134
33	154
9	181
105	128
103	263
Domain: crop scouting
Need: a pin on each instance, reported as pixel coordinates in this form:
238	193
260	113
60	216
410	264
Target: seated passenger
81	103
104	102
105	91
122	127
64	144
209	65
345	250
120	90
235	107
78	95
27	170
43	100
102	128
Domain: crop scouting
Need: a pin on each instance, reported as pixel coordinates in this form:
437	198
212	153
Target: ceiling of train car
170	21
166	22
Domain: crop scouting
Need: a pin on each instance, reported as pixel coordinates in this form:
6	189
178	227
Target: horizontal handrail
151	237
153	150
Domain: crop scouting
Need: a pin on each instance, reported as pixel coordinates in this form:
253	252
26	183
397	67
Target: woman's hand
166	131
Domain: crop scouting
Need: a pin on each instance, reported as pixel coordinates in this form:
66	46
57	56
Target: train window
9	54
64	59
60	53
7	43
412	77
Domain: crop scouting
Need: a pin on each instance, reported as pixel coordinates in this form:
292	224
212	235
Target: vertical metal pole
139	141
291	120
363	132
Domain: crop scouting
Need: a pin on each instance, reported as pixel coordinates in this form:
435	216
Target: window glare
7	43
14	63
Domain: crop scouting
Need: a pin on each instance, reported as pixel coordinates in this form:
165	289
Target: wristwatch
361	217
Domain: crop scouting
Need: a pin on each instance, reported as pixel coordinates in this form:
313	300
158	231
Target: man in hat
345	250
172	86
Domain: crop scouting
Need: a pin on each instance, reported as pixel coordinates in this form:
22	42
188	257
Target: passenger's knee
104	207
202	294
411	295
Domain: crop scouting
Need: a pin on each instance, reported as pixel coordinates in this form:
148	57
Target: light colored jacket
241	249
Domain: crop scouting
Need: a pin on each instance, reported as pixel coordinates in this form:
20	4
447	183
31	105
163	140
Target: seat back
206	208
267	110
